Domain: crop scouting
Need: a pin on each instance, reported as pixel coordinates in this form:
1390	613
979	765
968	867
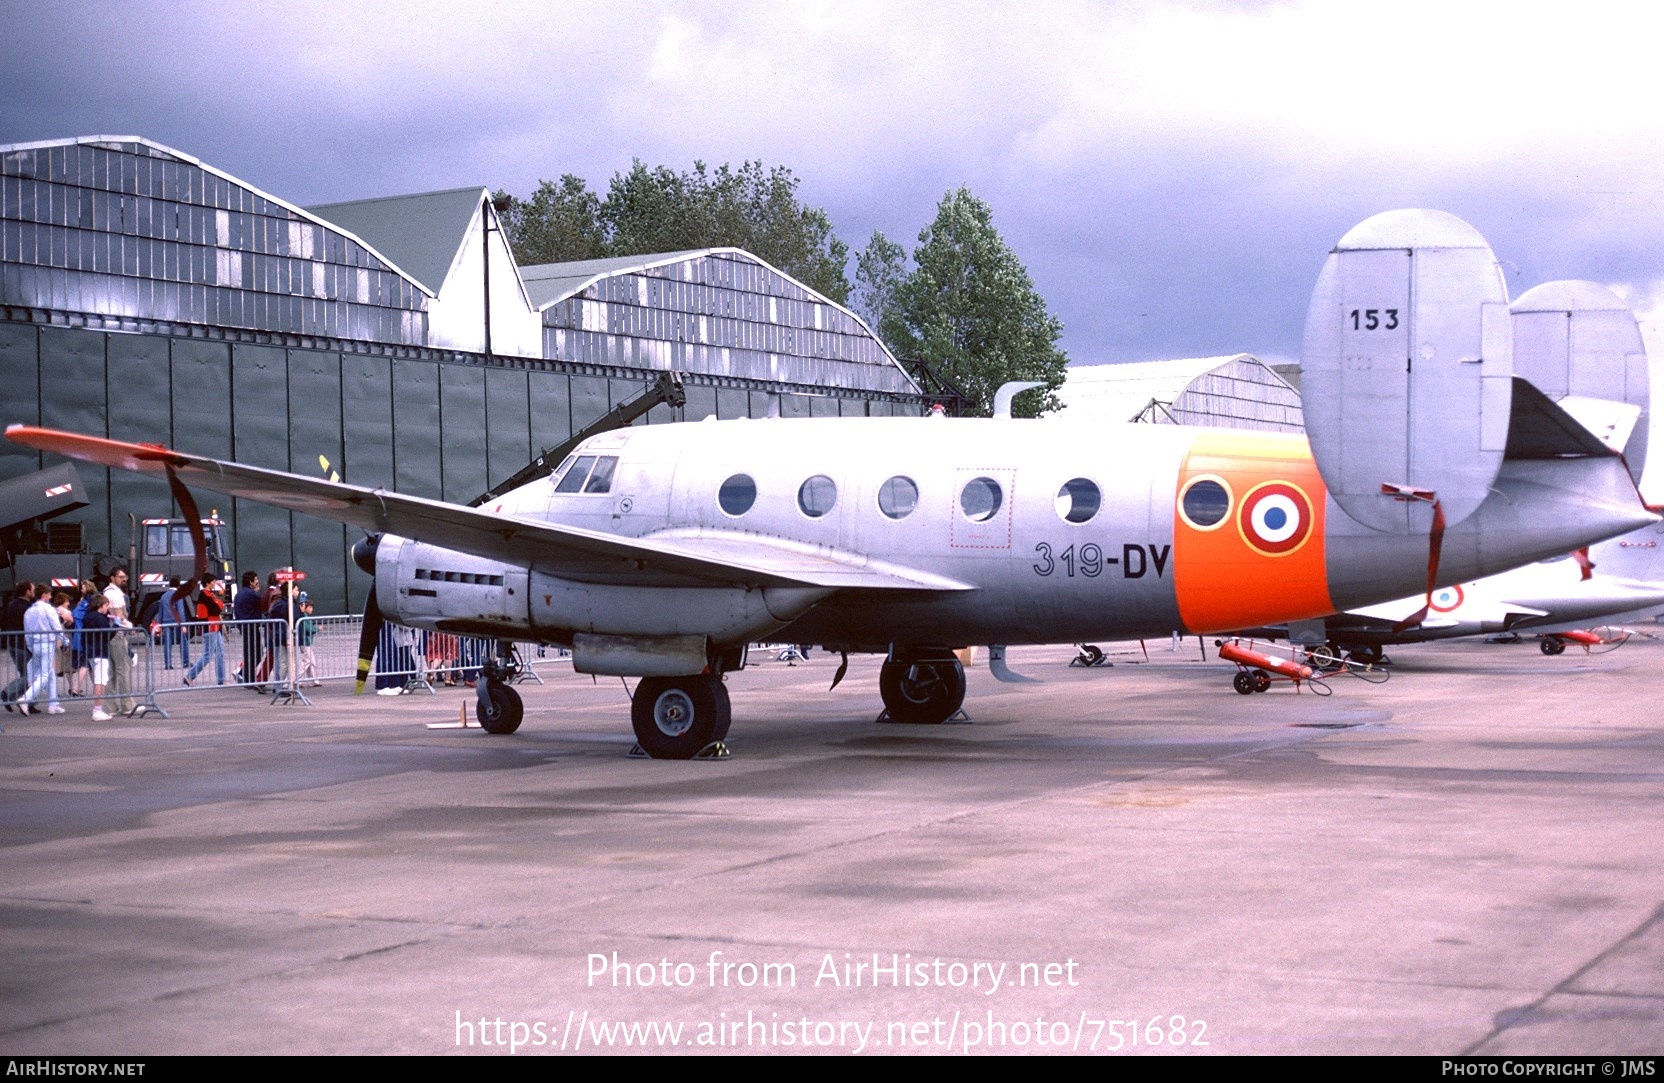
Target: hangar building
1238	391
147	296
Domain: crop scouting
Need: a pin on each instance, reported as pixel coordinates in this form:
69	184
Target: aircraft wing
684	558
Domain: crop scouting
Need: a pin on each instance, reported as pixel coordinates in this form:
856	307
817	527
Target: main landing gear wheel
498	708
923	692
676	717
1552	646
1368	654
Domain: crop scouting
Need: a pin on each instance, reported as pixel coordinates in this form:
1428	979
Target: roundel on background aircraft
1446	599
1406	370
1580	344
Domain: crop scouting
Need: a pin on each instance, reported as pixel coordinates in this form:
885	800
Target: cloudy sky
1172	174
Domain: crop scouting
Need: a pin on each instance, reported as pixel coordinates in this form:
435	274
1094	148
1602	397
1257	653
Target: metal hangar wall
147	296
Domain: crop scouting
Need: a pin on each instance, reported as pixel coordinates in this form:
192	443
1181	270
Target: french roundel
1446	599
1276	518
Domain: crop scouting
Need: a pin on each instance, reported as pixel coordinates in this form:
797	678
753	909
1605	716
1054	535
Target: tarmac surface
1468	858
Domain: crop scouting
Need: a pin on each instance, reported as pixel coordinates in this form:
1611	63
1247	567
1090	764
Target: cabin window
817	496
737	494
156	541
1206	502
898	497
1078	500
980	499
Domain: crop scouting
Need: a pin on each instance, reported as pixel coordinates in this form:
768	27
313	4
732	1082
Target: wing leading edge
708	558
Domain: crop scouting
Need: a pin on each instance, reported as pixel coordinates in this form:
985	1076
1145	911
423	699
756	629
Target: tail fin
1406	370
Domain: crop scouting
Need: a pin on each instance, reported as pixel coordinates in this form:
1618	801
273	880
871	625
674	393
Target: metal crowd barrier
261	656
51	670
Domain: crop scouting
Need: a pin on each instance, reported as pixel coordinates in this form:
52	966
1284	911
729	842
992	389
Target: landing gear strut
500	708
675	718
922	690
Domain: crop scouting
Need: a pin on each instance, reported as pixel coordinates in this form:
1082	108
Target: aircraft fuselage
1059	531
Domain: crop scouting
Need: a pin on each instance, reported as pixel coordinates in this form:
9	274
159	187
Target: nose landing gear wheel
499	708
675	717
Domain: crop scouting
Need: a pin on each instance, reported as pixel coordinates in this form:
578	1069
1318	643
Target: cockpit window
600	479
586	474
573	480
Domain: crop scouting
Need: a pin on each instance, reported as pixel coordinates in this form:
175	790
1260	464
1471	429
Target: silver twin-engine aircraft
660	552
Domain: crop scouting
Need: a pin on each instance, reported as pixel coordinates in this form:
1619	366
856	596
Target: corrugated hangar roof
1234	391
138	144
548	283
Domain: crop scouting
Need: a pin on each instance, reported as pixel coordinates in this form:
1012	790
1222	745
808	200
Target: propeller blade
368	638
193	519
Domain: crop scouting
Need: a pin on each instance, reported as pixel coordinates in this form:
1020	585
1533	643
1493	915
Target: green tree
561	222
657	209
968	308
879	272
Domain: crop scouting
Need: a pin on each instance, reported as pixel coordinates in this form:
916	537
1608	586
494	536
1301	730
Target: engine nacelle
425	586
727	615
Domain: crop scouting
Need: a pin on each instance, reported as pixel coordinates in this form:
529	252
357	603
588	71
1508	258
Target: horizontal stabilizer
1612	423
1541	429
